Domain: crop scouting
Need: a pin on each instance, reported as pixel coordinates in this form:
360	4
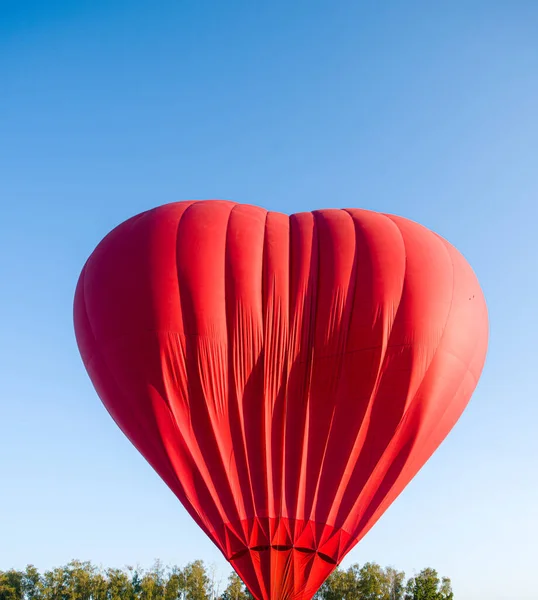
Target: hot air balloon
286	376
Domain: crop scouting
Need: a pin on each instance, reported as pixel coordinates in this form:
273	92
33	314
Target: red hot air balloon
286	376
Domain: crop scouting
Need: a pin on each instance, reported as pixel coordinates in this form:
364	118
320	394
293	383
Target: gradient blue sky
107	108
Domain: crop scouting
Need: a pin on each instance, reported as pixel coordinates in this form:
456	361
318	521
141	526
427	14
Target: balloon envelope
285	376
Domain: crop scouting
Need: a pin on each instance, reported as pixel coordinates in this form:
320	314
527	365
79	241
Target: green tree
32	584
136	581
445	589
11	585
119	585
197	585
341	585
152	584
175	584
6	591
54	585
99	587
78	580
395	581
372	582
427	586
236	589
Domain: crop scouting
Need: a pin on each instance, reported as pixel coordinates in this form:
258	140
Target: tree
78	580
98	587
372	583
11	585
236	589
152	583
120	586
136	581
54	585
445	590
175	584
395	584
341	585
427	586
32	584
196	581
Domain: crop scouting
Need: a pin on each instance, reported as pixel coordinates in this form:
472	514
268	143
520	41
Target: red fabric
286	376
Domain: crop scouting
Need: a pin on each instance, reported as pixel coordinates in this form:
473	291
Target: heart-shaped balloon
286	376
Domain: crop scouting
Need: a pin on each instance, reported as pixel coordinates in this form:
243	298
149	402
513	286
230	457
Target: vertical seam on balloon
416	394
343	344
219	508
284	377
341	488
267	425
280	382
231	380
379	378
231	370
366	421
205	475
311	324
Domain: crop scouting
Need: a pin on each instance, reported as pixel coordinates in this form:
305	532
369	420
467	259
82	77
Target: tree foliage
84	581
372	582
236	589
427	586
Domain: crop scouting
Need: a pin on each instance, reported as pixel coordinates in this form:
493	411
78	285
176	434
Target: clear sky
424	109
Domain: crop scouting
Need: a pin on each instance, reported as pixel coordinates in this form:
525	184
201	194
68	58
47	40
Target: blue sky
427	110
